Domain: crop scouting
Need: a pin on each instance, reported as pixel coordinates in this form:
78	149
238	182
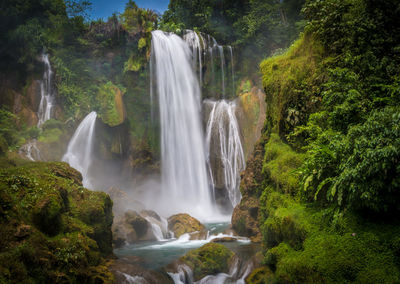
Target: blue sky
105	8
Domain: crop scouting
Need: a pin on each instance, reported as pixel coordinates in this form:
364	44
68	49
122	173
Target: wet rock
138	223
125	272
150	213
180	224
245	219
199	235
224	240
130	228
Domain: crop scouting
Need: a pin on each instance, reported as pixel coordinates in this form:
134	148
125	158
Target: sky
105	8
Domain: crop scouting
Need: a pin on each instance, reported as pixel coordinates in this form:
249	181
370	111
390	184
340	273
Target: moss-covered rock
112	110
53	229
210	259
251	117
289	103
181	224
261	275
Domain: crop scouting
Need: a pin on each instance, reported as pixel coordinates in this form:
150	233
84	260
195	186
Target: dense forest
320	191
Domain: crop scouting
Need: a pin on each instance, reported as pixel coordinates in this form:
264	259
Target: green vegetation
211	258
330	186
53	229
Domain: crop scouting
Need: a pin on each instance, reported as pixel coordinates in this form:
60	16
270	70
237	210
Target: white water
46	93
237	274
31	151
224	144
80	147
185	186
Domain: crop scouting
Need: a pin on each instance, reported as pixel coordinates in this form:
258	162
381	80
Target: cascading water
203	47
79	152
224	148
46	92
184	176
31	151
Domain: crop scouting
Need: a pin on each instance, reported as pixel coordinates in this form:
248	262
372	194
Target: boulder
210	259
224	240
181	224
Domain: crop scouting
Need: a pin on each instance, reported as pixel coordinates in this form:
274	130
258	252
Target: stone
183	223
224	240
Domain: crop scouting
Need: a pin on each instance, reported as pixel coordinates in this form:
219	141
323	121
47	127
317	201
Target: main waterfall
79	152
185	185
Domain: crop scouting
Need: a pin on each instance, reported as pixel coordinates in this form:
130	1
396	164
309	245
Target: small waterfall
238	272
233	71
224	148
79	152
203	46
31	151
46	92
184	275
184	175
159	228
222	57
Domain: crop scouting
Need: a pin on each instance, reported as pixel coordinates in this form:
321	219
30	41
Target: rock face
245	217
251	117
112	110
181	224
52	229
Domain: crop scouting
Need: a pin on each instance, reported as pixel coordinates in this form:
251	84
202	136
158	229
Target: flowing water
224	148
185	186
80	148
46	92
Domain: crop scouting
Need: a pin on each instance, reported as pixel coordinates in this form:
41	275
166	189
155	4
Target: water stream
185	186
46	92
80	148
225	154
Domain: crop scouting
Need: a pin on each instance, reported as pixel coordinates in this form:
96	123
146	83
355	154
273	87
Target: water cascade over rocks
205	55
224	148
80	147
185	186
46	92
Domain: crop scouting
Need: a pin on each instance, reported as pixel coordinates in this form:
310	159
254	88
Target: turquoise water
157	254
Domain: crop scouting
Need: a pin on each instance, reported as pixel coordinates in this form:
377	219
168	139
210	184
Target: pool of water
156	254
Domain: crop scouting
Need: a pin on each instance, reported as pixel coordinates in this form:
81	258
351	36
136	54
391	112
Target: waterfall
203	46
233	71
224	148
31	151
222	57
46	92
79	152
185	184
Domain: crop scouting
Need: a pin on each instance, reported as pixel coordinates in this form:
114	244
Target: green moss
211	258
53	229
261	275
111	110
280	164
290	84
